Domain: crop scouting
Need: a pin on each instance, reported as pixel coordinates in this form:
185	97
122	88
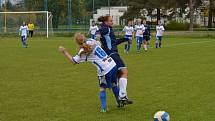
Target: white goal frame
26	12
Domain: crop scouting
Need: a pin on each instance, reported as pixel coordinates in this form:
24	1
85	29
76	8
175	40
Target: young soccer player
23	30
129	30
109	44
93	29
91	51
159	35
139	28
146	35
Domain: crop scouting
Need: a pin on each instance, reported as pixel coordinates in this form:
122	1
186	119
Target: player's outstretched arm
66	54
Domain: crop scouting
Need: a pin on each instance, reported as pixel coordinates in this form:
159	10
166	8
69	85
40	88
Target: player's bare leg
145	46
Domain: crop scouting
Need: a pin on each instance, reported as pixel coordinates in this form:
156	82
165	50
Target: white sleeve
123	29
144	28
90	28
97	28
76	59
163	28
20	28
91	42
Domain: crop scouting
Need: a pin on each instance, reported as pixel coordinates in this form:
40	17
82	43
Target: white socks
122	87
145	47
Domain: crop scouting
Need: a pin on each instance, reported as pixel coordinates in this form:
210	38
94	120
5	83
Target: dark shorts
146	38
118	60
31	33
93	36
129	37
159	38
108	80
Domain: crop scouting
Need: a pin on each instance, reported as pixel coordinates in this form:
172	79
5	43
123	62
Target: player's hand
62	49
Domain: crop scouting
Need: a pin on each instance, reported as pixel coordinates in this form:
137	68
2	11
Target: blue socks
156	44
103	99
115	90
138	46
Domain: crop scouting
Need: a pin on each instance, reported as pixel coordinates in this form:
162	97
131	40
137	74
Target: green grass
39	84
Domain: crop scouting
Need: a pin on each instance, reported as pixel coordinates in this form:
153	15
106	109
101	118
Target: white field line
188	43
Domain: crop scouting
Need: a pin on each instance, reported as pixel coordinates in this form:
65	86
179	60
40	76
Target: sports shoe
103	110
124	101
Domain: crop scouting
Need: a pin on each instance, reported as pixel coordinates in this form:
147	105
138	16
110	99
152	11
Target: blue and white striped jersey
98	57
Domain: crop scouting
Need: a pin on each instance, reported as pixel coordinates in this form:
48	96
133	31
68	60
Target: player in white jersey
159	35
129	31
91	51
93	30
23	30
139	28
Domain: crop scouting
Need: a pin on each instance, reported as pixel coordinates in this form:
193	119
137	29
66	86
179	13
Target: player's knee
102	89
124	73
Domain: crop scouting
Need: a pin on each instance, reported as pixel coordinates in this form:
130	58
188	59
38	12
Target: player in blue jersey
139	29
159	34
93	30
109	44
23	30
129	31
146	35
91	51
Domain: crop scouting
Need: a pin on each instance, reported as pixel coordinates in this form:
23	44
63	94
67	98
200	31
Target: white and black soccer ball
161	116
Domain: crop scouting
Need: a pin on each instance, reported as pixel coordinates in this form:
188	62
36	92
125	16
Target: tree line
80	9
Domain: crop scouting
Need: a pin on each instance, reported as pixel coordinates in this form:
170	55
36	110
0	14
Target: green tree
59	9
211	12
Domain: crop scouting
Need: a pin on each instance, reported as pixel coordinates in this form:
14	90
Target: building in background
115	11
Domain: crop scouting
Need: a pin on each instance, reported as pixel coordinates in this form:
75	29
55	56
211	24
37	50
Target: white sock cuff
123	79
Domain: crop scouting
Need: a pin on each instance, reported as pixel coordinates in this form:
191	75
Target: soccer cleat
124	101
103	110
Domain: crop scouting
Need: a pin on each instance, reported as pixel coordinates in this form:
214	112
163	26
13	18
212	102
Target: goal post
11	21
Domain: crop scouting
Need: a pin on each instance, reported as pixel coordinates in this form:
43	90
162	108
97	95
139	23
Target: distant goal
11	21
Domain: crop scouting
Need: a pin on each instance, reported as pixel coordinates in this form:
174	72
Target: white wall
115	12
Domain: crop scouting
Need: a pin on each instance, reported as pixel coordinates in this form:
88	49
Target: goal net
11	21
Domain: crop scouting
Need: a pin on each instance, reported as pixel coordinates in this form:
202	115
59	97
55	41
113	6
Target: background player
139	29
159	35
23	30
129	31
146	34
91	51
93	29
31	29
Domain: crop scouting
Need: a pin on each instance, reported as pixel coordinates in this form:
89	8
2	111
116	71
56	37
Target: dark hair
103	18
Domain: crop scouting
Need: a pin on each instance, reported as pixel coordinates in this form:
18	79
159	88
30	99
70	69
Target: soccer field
39	84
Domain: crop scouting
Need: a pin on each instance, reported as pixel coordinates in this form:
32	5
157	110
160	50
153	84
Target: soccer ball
161	116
